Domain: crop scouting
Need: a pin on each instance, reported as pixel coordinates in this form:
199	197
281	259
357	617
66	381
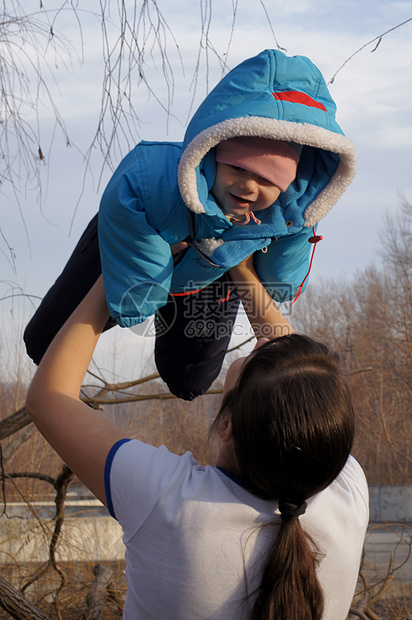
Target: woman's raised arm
266	319
81	436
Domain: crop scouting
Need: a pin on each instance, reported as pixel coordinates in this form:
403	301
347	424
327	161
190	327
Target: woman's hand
178	247
246	266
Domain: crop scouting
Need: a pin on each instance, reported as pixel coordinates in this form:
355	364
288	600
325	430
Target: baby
262	162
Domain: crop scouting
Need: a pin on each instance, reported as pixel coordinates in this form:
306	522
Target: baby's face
238	191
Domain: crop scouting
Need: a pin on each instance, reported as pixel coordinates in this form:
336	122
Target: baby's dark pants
192	331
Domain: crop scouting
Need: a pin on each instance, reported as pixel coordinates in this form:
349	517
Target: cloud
373	90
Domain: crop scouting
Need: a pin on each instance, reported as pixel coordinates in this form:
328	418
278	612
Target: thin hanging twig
378	40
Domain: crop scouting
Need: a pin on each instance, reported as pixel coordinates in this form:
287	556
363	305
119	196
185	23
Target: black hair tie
289	511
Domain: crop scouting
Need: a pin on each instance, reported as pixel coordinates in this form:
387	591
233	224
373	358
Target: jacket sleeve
137	263
285	265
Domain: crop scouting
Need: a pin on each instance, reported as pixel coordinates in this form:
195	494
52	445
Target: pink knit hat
274	160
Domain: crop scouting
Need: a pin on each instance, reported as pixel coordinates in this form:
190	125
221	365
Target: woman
274	531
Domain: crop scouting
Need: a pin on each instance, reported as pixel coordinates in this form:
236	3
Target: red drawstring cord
220	301
315	240
187	293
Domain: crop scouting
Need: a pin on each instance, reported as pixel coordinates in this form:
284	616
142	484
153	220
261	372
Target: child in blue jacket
262	162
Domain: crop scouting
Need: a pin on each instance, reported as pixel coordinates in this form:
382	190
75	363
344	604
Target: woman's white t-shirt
194	548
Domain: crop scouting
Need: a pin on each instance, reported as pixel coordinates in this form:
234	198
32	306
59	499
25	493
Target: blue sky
373	92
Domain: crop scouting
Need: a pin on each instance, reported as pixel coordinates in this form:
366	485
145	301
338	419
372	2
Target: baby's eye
237	167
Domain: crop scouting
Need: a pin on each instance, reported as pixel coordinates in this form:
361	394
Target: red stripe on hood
294	96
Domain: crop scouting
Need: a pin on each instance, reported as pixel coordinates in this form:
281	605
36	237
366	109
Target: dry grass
68	601
393	609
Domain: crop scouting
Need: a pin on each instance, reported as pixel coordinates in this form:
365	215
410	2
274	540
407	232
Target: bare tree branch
16	604
378	39
14	423
97	590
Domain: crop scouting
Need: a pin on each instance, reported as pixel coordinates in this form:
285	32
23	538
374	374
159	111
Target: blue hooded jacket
160	193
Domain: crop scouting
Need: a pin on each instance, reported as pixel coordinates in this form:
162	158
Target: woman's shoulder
353	477
347	495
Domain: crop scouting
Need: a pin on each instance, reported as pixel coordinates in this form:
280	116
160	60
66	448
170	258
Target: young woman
274	531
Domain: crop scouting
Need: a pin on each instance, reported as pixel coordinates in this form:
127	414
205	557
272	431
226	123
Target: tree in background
369	321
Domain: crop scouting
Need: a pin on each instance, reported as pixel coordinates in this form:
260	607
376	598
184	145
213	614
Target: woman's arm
81	436
265	317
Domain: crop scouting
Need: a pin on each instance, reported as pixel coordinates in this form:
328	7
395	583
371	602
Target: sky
372	89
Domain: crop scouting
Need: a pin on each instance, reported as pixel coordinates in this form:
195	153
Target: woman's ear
225	429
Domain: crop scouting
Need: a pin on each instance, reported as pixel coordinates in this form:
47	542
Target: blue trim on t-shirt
229	474
107	469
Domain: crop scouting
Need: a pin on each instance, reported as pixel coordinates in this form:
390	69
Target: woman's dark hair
293	427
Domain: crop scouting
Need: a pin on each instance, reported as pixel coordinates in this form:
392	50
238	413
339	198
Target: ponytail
293	428
290	589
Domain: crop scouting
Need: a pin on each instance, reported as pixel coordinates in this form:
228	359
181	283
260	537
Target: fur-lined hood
272	96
